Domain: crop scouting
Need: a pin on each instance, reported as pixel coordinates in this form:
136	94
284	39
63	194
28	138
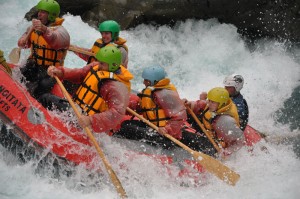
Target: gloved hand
84	121
224	154
186	102
39	26
54	71
203	96
162	131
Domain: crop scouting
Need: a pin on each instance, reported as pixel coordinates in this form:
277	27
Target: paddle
78	50
4	63
207	132
108	167
280	139
255	136
14	55
210	164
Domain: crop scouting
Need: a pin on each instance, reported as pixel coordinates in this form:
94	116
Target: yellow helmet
218	94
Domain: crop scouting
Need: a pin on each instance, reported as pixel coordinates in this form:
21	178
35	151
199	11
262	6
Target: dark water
290	114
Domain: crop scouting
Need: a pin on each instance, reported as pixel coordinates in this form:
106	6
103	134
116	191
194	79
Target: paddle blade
14	55
217	168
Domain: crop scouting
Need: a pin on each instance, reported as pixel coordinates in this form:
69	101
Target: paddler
49	42
109	31
219	116
104	91
159	103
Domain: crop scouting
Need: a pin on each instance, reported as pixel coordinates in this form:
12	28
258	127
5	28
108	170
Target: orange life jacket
120	42
87	95
149	108
42	52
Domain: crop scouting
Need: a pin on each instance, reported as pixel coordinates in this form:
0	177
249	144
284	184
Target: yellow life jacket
87	95
207	117
42	52
120	42
228	109
149	109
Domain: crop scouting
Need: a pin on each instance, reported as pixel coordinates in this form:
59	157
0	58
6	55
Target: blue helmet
154	74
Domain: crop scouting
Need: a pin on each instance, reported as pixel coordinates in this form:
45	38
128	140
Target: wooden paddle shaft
210	164
29	33
112	174
207	133
78	50
156	128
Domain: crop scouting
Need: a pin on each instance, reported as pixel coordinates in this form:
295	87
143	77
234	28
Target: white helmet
235	80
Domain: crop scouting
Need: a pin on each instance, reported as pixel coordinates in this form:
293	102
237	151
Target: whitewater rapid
197	55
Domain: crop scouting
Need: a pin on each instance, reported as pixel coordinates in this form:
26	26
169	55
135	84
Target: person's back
242	108
233	84
164	108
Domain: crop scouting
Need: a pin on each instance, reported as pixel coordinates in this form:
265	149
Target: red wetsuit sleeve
174	109
116	96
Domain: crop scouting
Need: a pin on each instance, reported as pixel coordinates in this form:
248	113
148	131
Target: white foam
197	56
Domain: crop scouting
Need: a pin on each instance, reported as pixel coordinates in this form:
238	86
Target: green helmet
111	55
218	94
110	26
51	6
